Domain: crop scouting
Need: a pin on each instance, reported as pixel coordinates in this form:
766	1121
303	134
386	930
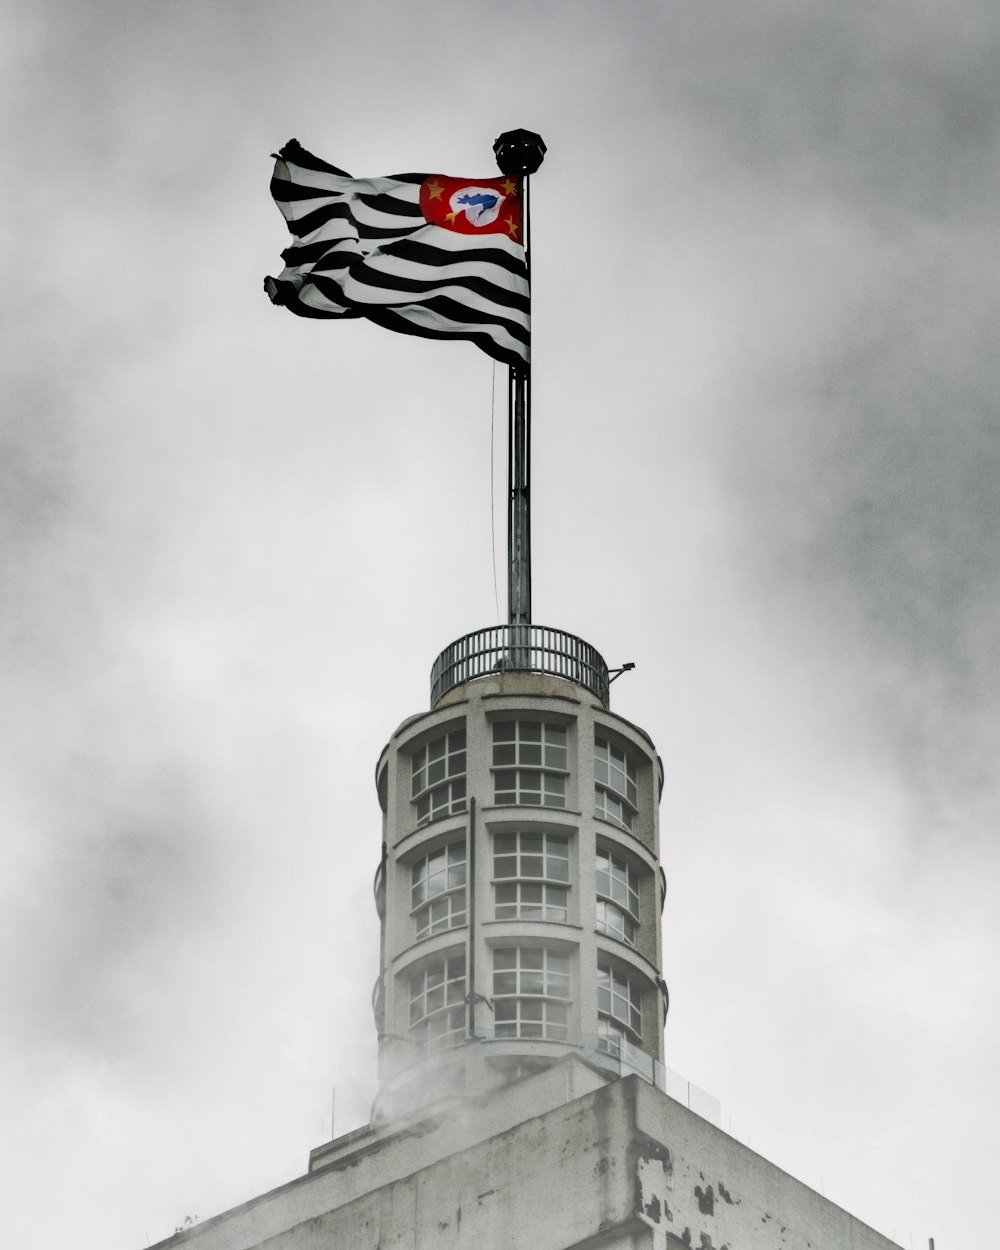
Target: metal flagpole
519	153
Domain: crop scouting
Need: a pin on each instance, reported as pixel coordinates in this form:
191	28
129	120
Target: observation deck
522	649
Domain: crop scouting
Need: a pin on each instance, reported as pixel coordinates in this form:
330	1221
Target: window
527	868
531	993
437	1004
618	1003
524	752
615	792
611	1038
437	890
617	896
614	922
438	786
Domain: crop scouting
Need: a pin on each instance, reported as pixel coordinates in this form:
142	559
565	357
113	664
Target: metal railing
523	649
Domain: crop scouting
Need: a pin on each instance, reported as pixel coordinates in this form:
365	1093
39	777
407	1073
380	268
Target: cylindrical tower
520	887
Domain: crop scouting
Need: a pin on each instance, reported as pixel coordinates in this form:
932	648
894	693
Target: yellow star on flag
512	227
509	186
434	189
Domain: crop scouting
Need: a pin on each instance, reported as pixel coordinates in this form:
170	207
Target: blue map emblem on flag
481	205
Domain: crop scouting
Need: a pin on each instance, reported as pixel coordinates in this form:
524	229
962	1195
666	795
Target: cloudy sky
766	469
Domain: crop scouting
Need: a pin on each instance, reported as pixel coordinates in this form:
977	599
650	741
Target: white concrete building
520	889
521	1002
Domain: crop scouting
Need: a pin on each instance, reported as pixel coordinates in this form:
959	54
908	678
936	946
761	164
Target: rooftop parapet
520	648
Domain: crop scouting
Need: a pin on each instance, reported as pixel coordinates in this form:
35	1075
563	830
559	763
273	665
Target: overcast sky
766	469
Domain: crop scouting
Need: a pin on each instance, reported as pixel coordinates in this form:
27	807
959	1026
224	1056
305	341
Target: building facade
520	1005
520	887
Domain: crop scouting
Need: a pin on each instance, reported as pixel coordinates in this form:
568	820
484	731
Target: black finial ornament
519	152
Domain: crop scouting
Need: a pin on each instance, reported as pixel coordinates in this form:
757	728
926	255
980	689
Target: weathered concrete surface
711	1192
559	1161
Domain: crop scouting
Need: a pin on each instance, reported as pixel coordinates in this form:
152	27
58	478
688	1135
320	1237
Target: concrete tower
520	1003
520	1006
520	887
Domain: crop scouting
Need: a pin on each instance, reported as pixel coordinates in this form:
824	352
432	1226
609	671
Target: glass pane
504	983
531	866
504	754
456	764
557	1013
532	981
506	894
531	788
555	746
505	866
503	731
530	1010
505	958
532	957
532	843
530	753
505	1009
435	999
531	893
557	869
456	740
505	843
531	731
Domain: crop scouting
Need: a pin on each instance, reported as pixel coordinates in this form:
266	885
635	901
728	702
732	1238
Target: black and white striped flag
420	253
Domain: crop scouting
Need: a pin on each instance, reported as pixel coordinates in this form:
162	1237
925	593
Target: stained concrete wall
559	1161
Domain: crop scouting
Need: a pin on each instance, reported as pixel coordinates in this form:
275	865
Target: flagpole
519	153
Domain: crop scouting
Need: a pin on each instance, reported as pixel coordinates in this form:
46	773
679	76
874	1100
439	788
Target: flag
420	253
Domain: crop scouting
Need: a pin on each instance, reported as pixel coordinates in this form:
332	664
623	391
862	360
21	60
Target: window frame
552	881
452	1009
457	917
549	771
632	997
617	803
549	1018
447	793
630	882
